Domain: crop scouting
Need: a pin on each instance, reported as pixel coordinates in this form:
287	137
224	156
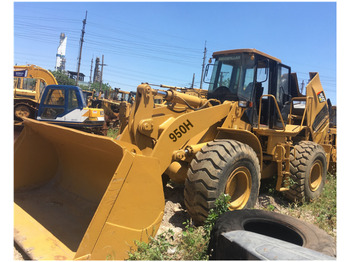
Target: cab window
29	84
72	100
55	97
283	80
42	86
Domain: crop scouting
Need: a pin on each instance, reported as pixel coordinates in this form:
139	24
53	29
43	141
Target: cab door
53	103
282	92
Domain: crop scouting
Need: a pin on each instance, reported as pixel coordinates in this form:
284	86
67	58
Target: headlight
245	104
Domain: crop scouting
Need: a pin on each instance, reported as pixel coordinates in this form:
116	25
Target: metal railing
307	99
278	110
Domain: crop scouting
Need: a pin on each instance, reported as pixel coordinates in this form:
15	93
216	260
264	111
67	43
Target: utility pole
92	61
192	86
205	53
81	47
102	72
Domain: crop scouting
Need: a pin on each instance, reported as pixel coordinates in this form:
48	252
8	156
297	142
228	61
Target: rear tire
222	166
308	168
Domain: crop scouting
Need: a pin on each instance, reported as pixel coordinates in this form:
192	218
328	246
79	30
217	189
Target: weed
271	207
193	244
156	249
324	209
221	206
112	132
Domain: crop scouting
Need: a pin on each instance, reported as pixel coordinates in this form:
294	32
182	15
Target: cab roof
65	87
247	50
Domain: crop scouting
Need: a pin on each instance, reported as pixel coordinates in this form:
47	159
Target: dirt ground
17	255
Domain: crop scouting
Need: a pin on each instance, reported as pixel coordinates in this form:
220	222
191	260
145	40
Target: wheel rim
22	111
239	186
315	178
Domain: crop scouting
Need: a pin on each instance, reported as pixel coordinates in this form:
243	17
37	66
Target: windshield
83	97
232	77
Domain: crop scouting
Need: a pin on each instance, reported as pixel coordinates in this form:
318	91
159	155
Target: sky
163	42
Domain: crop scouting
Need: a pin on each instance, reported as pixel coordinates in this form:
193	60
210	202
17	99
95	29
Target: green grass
323	211
112	132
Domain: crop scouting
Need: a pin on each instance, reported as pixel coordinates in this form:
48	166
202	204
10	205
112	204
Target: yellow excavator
254	124
29	83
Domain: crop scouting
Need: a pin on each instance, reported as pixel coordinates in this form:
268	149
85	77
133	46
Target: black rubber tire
274	225
302	159
210	171
23	110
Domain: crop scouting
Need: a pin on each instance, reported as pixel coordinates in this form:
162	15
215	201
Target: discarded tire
222	166
274	225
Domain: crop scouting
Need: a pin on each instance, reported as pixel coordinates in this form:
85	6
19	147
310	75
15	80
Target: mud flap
82	196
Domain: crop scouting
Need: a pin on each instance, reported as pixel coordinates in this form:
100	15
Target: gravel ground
175	214
17	255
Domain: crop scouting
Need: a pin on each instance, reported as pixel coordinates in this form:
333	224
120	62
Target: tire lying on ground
274	225
222	166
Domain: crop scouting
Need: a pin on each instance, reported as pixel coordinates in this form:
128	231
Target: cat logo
321	97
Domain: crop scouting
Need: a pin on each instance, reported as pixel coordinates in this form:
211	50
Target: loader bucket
81	196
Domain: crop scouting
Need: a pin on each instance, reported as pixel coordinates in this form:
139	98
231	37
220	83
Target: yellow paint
81	204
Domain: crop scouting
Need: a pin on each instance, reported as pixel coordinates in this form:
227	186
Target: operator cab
58	101
245	75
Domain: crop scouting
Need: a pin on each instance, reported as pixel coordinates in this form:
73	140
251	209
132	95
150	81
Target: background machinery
253	125
29	83
113	102
57	104
66	106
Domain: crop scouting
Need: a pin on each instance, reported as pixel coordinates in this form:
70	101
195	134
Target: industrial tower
61	54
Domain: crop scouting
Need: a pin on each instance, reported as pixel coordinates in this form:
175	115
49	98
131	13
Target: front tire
222	166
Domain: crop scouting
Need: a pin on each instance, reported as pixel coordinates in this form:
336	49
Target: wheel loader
254	124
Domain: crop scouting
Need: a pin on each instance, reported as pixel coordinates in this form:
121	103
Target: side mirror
206	76
263	71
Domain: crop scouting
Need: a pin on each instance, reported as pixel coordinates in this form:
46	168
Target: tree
105	87
63	79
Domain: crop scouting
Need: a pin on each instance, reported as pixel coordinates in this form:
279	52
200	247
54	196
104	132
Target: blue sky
163	43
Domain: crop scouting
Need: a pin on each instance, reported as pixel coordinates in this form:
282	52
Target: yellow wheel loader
253	125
